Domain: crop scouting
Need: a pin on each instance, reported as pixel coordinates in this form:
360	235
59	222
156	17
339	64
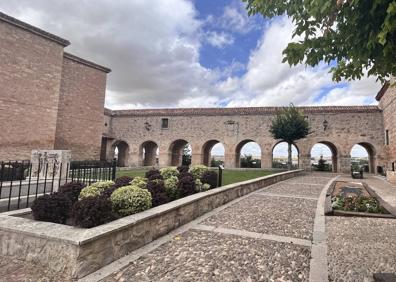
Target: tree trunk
289	156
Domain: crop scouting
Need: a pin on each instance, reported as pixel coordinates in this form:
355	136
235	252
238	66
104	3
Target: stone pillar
391	176
266	159
344	164
305	162
164	158
50	163
229	157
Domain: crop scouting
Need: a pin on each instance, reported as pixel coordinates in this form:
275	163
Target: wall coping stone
11	221
238	111
85	62
15	22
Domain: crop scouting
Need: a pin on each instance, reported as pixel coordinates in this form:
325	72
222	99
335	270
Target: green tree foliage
358	35
186	158
322	166
247	161
289	125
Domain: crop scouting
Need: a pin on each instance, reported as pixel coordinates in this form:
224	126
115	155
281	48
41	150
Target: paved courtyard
269	235
264	236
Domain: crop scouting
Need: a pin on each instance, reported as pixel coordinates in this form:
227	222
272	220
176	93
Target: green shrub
95	189
168	172
198	170
91	212
72	190
128	200
210	177
171	187
201	187
140	182
158	193
54	207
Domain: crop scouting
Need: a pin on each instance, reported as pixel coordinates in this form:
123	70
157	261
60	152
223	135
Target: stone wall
233	127
387	102
48	99
80	116
30	74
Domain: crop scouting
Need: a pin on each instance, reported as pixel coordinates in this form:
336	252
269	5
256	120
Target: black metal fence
21	182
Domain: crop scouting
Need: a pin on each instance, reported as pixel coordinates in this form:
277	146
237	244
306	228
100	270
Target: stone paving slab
295	189
308	180
15	270
207	256
359	247
269	215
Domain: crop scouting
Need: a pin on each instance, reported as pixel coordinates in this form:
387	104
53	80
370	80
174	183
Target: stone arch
123	152
238	150
294	145
371	152
206	155
334	153
148	153
176	152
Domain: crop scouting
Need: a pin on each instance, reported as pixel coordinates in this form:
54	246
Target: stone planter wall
77	252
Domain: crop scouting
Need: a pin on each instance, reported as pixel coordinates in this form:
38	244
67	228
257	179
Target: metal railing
21	182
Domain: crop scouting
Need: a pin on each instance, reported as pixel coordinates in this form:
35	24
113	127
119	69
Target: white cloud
219	39
236	19
268	81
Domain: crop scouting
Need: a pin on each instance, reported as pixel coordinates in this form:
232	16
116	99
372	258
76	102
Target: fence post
114	167
220	180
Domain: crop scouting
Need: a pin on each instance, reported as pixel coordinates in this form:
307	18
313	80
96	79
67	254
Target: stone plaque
50	163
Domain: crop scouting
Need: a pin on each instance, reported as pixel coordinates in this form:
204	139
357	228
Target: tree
356	35
186	158
289	125
322	166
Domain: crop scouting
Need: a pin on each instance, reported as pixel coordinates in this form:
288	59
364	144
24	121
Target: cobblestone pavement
16	270
265	236
359	247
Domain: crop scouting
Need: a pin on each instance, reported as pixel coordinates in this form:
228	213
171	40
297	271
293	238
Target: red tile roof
238	111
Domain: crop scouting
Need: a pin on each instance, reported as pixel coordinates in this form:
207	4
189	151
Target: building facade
49	99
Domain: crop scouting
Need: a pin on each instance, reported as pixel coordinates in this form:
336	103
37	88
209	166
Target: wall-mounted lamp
325	124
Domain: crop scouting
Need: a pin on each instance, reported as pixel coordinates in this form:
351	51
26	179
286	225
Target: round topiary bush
210	177
91	212
95	189
152	172
54	207
198	170
140	182
128	200
167	172
72	190
123	181
183	168
171	187
186	184
158	193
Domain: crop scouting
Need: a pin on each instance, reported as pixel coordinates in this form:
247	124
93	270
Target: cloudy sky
188	53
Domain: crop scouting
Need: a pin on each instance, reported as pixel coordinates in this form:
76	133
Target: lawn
229	176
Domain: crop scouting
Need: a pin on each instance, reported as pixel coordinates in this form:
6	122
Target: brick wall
30	72
388	105
80	117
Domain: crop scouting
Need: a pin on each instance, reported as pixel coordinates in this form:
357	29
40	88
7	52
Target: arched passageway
180	153
248	154
279	156
212	153
363	157
148	153
324	157
121	151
